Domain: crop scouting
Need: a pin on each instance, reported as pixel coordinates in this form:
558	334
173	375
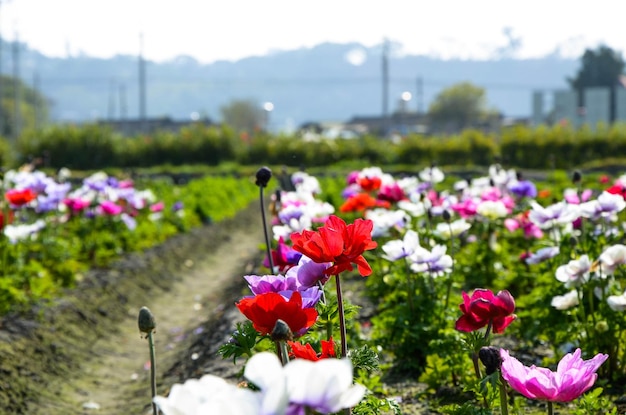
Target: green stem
476	366
488	330
504	409
155	411
550	409
268	246
583	315
411	287
283	353
449	281
342	318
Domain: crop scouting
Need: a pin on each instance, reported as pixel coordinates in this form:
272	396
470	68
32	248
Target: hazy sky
212	30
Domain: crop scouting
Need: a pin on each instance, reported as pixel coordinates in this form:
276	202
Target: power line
154	79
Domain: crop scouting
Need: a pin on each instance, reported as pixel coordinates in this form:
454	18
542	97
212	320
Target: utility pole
123	108
142	88
36	103
385	97
16	88
419	95
111	107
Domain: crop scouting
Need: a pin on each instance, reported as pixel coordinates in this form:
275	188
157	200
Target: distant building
399	122
595	105
135	126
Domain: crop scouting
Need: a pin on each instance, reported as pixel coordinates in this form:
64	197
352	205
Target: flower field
507	291
57	228
494	293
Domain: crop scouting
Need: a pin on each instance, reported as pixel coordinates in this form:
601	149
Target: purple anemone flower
270	283
308	273
523	188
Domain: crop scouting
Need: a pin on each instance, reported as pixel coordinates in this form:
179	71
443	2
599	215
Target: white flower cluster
324	386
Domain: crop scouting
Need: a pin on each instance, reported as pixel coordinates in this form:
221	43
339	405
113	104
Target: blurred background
341	68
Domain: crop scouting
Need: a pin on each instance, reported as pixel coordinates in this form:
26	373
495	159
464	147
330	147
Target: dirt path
88	354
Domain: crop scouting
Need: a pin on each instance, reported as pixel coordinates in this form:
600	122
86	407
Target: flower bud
233	339
602	326
446	215
576	176
281	331
263	176
146	321
490	356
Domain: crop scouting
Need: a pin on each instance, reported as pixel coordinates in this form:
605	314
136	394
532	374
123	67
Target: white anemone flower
617	302
324	386
607	205
452	229
415	209
17	233
561	213
492	209
543	255
306	183
575	273
566	301
435	262
384	220
611	258
213	395
398	249
294	225
432	175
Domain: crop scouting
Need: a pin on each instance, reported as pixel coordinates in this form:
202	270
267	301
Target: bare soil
83	353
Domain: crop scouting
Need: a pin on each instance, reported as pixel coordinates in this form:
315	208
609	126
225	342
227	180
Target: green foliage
591	403
244	115
600	67
91	147
459	106
242	342
33	108
37	268
372	405
84	148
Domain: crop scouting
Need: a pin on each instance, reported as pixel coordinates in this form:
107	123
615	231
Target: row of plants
56	228
95	147
507	291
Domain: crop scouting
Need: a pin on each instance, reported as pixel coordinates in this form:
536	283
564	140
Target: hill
325	82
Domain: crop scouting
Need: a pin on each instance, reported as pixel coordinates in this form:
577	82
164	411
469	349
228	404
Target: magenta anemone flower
573	377
483	308
110	208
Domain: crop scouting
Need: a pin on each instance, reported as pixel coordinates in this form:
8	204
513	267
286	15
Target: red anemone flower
483	307
20	197
358	203
338	243
369	184
617	189
305	351
265	309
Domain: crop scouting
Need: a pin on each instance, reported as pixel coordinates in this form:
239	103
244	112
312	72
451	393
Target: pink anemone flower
573	377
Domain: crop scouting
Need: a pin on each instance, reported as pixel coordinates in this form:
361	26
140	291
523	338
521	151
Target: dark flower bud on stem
490	356
263	176
146	321
281	331
446	215
576	176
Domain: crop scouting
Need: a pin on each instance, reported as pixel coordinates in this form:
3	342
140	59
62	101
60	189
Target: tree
33	108
243	115
460	106
602	67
